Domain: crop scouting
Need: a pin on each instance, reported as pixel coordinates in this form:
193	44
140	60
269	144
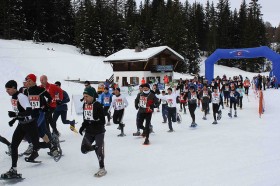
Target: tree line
102	27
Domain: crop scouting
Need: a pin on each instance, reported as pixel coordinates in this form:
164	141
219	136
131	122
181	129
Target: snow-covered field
238	151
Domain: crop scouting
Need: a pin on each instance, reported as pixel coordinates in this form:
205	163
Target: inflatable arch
263	51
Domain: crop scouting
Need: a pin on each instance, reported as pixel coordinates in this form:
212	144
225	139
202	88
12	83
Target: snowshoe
193	125
11	174
146	142
235	115
101	172
204	118
32	157
121	135
137	133
72	127
229	114
171	130
219	115
215	122
28	150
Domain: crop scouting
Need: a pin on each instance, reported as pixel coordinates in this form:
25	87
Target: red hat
32	77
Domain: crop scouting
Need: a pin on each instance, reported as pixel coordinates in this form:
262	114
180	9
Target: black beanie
11	84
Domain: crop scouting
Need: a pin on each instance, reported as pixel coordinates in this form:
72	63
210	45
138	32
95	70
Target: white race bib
119	102
143	102
34	101
14	104
106	100
170	102
88	112
193	96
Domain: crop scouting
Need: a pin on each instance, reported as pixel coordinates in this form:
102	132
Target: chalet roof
131	55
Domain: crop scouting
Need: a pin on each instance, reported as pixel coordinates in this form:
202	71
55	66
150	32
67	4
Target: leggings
215	108
98	147
5	141
22	129
192	108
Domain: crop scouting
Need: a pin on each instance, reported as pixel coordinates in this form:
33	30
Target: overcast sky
270	8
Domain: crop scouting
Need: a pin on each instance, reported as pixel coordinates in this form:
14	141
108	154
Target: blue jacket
234	96
106	99
63	105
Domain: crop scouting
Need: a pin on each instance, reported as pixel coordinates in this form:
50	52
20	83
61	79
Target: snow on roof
131	55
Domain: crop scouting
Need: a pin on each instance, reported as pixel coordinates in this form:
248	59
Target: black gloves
46	108
81	130
12	122
12	114
58	102
82	99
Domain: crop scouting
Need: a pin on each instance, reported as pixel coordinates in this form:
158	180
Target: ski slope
237	151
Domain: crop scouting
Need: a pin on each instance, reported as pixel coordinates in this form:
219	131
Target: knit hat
118	89
11	84
192	87
31	77
146	85
57	83
89	91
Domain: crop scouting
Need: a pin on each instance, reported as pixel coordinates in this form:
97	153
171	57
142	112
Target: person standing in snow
170	98
216	102
39	100
205	97
233	100
241	92
119	103
106	100
22	111
145	102
57	96
62	108
192	104
94	127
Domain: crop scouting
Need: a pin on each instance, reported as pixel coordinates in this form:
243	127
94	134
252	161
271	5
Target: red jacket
55	92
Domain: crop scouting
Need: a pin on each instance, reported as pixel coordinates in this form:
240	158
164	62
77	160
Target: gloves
45	108
58	102
81	130
12	114
82	99
12	122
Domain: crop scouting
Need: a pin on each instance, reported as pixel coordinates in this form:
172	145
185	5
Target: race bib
119	102
182	98
193	97
170	102
14	104
34	101
216	98
106	100
143	102
205	93
88	112
226	89
231	94
163	101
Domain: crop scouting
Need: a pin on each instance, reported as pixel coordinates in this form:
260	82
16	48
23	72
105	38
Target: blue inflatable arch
263	51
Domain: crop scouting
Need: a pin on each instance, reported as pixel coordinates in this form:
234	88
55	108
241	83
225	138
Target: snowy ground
237	151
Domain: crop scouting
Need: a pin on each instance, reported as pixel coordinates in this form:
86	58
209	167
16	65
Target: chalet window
124	81
134	80
155	61
162	60
117	79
